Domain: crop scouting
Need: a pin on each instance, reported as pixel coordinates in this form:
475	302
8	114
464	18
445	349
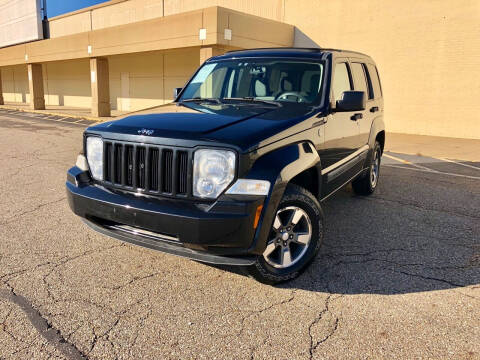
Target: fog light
82	162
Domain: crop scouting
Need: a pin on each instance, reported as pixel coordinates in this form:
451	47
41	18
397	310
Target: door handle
320	122
356	117
374	109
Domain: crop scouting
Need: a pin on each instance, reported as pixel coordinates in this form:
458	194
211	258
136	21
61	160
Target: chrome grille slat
118	149
129	166
167	171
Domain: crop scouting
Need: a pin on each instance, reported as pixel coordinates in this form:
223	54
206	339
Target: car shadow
377	246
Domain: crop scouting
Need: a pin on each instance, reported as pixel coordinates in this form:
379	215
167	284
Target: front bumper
221	232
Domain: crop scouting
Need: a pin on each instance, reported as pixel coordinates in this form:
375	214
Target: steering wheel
284	95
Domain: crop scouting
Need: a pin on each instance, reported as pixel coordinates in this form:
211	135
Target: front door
341	133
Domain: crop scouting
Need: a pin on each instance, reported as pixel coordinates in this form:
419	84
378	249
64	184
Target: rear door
362	83
375	106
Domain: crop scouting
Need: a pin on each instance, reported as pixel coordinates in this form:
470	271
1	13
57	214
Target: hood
242	125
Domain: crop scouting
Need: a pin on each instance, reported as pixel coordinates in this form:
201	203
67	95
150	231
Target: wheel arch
281	166
381	139
377	133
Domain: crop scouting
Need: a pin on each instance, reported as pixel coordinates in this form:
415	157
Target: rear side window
377	88
361	83
341	80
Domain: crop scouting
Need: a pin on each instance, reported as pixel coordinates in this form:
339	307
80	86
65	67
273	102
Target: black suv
235	169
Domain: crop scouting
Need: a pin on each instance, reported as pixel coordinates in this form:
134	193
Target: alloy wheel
375	168
289	238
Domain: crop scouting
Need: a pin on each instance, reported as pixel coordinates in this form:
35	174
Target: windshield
257	80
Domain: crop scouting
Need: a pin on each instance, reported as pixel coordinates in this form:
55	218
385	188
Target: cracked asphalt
397	277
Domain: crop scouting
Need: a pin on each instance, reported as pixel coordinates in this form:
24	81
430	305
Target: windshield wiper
200	99
252	99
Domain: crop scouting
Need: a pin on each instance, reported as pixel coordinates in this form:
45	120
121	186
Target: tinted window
377	89
341	80
360	80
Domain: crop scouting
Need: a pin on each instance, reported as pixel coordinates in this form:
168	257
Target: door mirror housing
352	101
176	92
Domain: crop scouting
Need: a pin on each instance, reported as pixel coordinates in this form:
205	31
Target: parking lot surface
397	277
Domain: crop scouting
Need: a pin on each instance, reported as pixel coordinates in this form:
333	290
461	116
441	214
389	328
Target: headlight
95	156
213	171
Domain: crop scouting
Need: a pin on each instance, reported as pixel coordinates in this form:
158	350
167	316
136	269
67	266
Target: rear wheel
295	238
367	183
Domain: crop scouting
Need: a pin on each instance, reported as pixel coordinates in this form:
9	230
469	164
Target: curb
49	113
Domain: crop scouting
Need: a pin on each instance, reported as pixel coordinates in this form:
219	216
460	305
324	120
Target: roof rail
277	48
299	48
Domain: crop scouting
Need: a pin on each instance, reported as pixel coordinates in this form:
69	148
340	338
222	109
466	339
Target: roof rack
299	48
277	48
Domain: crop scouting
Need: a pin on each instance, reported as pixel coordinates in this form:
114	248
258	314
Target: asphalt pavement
397	277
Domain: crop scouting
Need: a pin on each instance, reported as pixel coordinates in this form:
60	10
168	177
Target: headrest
260	88
286	84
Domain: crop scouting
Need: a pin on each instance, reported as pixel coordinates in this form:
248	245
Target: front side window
262	79
341	80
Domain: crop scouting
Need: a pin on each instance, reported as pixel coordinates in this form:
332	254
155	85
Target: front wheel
295	238
367	183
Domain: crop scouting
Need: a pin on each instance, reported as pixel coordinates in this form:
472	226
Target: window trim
379	82
371	91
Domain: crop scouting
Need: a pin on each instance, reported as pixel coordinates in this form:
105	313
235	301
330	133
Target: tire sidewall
377	149
296	196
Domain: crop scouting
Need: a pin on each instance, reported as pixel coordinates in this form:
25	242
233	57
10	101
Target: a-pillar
207	89
208	52
100	87
35	84
1	89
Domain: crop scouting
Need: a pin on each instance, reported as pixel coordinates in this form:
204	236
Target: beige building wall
139	81
117	12
269	9
67	83
179	67
427	53
120	12
15	84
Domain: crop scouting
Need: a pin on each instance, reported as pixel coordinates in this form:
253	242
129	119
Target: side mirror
176	92
352	101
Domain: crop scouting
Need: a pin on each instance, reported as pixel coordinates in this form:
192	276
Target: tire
367	183
300	216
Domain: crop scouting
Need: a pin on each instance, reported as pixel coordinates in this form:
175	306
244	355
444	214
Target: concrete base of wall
434	146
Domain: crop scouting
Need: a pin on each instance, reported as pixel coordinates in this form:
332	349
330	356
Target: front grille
149	169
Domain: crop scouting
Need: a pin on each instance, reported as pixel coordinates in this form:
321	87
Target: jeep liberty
235	169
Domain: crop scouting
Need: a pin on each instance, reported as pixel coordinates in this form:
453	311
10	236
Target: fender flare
279	167
377	126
